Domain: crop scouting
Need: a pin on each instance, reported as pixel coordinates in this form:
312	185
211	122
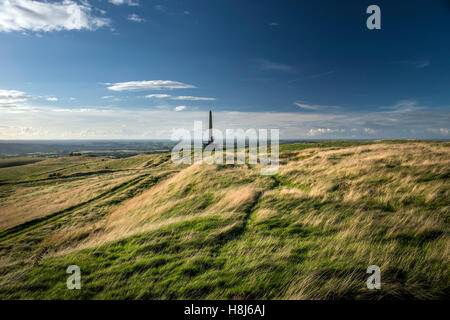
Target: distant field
143	228
60	148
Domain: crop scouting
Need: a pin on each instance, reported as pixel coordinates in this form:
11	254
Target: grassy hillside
144	228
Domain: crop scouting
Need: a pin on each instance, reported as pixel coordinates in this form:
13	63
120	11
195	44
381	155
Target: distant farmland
58	148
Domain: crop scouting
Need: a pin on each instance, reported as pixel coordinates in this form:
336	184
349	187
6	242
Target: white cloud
158	96
52	99
179	98
72	98
313	132
86	122
37	16
105	122
443	131
180	108
314	107
273	24
9	97
101	11
440	131
26	130
190	98
307	106
121	2
135	18
405	105
111	98
148	85
369	131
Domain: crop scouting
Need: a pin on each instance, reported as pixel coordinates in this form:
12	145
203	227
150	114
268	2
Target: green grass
13	162
226	232
326	144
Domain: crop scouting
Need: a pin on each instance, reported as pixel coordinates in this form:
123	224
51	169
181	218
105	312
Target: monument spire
211	138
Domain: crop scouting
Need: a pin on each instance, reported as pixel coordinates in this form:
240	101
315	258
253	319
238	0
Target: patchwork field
144	228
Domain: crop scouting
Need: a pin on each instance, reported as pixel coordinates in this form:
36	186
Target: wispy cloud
415	63
313	76
190	98
11	97
158	96
158	122
441	131
112	98
161	8
266	65
135	18
319	131
121	2
183	98
36	16
322	74
180	108
148	85
405	105
16	99
315	107
273	24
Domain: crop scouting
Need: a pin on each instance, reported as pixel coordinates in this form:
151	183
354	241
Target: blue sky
139	69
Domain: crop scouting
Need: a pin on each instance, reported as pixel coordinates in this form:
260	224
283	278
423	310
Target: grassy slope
12	162
209	231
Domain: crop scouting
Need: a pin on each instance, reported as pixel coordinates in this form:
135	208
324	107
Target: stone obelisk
211	138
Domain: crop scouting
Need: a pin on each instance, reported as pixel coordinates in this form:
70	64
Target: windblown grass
225	231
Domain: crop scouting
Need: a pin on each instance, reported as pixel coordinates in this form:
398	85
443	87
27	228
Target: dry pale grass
361	166
147	211
33	202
